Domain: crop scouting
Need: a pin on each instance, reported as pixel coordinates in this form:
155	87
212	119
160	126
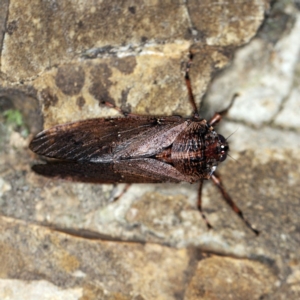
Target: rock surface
61	240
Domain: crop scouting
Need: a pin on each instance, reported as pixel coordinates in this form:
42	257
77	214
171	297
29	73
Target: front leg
218	116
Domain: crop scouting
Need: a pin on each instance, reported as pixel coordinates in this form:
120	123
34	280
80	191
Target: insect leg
199	205
218	116
116	198
189	86
217	181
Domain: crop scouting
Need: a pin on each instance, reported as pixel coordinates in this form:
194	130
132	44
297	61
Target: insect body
137	149
133	150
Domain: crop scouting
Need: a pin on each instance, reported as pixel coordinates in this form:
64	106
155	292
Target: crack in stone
187	13
23	82
121	51
263	125
4	32
29	79
90	235
280	107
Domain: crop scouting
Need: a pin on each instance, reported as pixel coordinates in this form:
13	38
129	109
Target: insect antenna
227	140
232	158
231	134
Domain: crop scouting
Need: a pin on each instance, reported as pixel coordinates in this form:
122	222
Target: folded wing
145	170
102	140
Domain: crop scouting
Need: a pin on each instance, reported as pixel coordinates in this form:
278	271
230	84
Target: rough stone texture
127	52
63	267
60	60
233	279
57	31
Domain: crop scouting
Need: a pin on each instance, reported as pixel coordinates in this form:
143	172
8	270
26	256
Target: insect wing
145	170
101	140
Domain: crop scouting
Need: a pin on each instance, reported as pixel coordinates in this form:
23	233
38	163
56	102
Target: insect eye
223	157
222	139
224	148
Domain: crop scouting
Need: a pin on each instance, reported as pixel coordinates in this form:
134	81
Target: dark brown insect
137	149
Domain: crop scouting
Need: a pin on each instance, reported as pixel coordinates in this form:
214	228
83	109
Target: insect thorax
197	151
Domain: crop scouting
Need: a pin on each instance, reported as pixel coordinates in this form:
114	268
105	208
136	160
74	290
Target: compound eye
223	148
223	156
222	139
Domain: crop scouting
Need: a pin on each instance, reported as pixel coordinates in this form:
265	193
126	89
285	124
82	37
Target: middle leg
199	205
217	181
